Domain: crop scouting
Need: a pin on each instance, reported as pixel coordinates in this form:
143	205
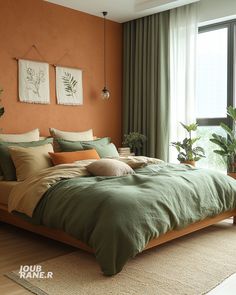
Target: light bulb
105	93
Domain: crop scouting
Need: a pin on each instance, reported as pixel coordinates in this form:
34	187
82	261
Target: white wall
211	11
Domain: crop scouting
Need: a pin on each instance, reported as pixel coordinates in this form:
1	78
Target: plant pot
232	174
192	163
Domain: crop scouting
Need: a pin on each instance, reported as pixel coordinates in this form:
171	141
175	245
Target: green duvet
118	216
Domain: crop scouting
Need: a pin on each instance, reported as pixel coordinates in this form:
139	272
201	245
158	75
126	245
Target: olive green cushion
98	141
63	145
72	146
7	165
104	150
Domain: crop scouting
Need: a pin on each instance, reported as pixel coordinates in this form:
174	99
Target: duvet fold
25	196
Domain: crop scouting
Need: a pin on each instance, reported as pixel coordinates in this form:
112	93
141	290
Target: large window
214	86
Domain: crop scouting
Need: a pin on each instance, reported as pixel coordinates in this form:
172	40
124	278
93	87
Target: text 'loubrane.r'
34	272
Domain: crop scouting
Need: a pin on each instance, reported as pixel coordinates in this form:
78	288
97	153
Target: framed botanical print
69	86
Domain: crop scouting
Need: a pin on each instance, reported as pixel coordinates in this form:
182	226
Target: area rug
193	264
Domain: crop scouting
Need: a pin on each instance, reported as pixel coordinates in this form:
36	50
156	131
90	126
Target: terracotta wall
55	31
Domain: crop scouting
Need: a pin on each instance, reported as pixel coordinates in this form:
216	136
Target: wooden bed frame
61	236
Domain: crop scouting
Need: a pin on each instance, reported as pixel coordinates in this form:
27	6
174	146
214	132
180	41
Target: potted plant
227	144
187	153
134	140
1	108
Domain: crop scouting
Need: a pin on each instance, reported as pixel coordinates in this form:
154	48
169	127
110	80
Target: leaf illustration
69	84
34	79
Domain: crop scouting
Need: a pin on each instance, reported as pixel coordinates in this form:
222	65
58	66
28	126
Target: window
212	160
214	87
212	74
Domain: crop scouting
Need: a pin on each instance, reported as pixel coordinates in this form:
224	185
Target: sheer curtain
183	37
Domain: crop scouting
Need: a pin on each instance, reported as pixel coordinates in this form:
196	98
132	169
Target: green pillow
72	146
104	150
99	141
67	145
6	163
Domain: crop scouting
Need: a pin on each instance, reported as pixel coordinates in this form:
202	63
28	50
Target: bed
121	217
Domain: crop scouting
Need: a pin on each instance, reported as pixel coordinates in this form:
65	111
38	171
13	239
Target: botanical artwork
69	86
33	82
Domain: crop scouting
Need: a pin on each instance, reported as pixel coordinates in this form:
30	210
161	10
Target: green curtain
146	82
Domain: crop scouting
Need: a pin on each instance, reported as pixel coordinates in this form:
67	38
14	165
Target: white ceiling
122	10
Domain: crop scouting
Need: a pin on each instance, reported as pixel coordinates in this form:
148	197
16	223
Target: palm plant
227	144
186	150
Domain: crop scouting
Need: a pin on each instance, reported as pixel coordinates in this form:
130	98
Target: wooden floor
18	247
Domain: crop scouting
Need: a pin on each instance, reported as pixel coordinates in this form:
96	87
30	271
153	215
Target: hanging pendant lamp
105	92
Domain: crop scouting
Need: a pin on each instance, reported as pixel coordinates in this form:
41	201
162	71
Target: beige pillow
29	161
136	162
72	136
23	137
109	167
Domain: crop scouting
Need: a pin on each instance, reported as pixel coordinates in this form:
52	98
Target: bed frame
61	236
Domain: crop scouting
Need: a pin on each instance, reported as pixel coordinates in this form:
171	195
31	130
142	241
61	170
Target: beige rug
191	265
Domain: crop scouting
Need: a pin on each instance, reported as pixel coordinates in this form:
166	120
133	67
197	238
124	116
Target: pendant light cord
104	38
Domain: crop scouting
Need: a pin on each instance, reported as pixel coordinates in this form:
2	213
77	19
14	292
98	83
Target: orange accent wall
56	30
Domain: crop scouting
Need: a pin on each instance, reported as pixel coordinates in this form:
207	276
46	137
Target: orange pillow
70	157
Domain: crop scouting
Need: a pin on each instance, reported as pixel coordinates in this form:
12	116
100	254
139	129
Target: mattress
5	189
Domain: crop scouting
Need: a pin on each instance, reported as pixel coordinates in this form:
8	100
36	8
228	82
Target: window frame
231	38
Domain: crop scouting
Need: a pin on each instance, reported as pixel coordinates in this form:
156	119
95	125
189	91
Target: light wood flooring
19	247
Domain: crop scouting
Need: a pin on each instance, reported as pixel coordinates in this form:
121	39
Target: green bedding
118	216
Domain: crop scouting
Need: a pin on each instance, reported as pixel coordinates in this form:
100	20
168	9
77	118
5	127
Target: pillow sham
104	150
70	157
6	163
63	145
98	141
72	136
30	160
109	167
72	146
23	137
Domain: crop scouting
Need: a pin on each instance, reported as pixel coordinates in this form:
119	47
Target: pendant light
105	92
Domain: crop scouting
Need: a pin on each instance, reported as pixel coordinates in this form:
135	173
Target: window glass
212	160
211	82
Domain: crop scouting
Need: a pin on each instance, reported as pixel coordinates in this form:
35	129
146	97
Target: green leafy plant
135	141
1	108
69	83
186	149
227	144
